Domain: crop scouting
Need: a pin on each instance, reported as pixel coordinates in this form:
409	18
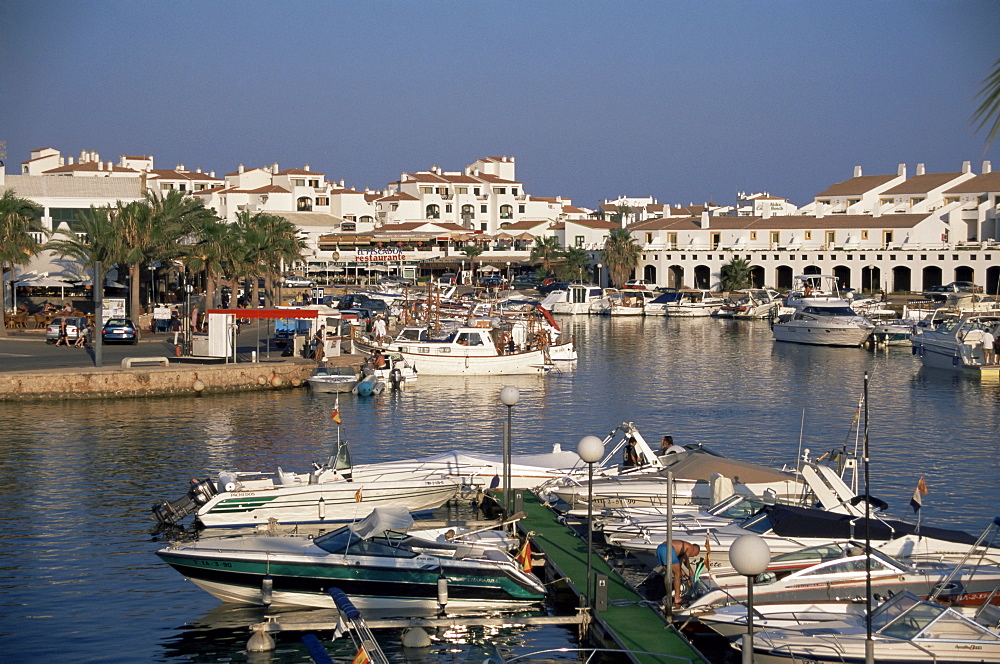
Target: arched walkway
901	279
931	276
783	277
675	276
649	274
702	277
842	274
757	276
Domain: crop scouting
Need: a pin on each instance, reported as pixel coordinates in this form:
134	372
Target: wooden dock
629	622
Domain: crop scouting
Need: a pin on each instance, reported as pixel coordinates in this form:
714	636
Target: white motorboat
328	380
574	299
627	302
658	305
845	579
755	303
957	342
905	629
375	561
527	471
328	493
694	303
478	351
817	315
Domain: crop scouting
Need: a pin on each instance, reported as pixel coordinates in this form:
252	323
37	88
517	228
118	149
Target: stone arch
902	278
702	277
783	277
649	274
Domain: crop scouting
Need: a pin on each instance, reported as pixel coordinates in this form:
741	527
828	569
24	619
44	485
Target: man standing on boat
379	329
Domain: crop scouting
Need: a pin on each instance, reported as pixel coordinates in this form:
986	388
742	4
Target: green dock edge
633	626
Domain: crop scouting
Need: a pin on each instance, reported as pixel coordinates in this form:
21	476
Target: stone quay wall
145	381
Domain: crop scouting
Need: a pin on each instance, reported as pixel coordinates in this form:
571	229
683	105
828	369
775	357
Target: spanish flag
524	556
361	657
358	497
916	502
335	416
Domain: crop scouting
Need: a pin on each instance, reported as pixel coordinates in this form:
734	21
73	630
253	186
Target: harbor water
80	582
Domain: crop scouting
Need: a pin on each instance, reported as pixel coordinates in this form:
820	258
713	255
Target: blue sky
684	101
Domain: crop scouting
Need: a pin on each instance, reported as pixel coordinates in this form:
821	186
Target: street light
750	556
599	266
591	450
152	287
509	396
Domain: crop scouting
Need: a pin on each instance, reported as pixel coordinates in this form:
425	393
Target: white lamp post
750	556
591	450
599	266
508	273
509	396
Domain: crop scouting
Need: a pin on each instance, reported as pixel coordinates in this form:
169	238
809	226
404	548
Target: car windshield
117	322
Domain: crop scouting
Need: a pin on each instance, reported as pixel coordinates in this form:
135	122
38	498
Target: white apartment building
872	232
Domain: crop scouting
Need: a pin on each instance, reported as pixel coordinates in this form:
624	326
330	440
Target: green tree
620	255
621	215
267	241
95	239
987	114
18	220
575	262
214	250
546	251
472	251
736	274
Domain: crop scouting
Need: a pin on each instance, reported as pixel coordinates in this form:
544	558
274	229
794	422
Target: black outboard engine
168	513
396	378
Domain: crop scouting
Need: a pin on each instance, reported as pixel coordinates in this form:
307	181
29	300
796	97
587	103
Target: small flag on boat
916	502
495	482
524	556
341	628
361	657
358	497
335	416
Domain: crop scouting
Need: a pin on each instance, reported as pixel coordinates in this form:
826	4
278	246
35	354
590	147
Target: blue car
120	330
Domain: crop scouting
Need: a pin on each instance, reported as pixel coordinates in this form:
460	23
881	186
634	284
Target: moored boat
957	343
817	315
375	561
329	380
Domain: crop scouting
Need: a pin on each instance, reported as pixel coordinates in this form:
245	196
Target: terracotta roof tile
921	184
981	184
856	186
299	171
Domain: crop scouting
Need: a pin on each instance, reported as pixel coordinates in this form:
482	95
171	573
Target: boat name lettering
243	494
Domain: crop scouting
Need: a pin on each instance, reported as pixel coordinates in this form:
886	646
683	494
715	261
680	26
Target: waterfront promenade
32	369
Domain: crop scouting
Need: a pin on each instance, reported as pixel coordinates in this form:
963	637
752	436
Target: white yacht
817	314
957	343
574	299
692	303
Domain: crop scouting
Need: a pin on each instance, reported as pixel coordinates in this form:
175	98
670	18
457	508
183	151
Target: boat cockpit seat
286	479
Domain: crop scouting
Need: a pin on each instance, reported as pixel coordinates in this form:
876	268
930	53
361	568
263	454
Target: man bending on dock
679	553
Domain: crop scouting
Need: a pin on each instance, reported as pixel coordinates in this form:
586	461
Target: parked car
636	284
74	325
352	300
941	293
120	330
376	307
547	288
525	282
299	282
448	279
491	282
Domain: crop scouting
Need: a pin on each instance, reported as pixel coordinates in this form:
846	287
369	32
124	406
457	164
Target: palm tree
988	111
267	240
213	250
472	251
546	250
620	255
95	239
736	274
576	261
140	235
18	220
621	215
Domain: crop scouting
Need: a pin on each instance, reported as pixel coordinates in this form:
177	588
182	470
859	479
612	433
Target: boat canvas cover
382	519
702	465
789	521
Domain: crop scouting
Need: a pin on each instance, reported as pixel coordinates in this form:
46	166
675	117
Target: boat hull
820	335
530	362
372	582
328	502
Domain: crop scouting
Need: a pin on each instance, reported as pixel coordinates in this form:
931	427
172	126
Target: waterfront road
26	350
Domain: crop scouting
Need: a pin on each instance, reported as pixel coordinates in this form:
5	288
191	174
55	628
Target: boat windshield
346	542
759	524
830	311
740	509
821	552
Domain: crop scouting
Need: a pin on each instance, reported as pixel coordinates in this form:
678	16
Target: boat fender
442	591
266	589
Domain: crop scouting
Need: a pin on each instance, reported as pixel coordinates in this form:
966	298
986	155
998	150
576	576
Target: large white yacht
815	313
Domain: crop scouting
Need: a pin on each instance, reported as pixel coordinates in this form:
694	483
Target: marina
81	555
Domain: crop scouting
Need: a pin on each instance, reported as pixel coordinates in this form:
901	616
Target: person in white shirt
989	351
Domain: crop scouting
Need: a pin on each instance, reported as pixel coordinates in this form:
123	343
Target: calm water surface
80	582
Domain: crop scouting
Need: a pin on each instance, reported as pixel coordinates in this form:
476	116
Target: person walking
63	339
379	329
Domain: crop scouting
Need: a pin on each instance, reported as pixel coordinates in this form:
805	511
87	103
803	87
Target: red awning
269	314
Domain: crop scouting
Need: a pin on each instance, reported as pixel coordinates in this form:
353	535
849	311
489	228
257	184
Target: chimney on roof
966	166
70	160
179	168
100	165
198	170
920	169
240	169
901	170
274	167
987	167
211	174
705	219
857	171
341	183
306	167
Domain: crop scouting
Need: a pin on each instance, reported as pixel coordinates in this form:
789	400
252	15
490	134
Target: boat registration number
214	563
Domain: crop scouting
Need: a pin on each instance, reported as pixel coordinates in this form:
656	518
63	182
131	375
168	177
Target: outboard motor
396	378
168	513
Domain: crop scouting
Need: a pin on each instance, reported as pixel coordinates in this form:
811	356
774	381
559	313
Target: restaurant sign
379	255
